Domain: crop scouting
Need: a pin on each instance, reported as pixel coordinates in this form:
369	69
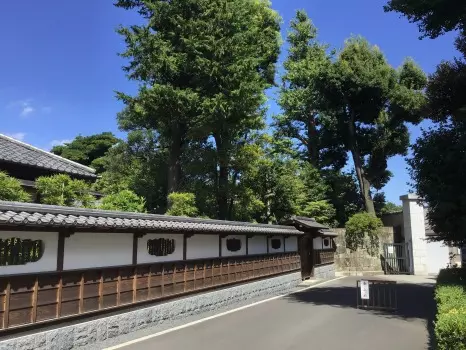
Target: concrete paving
324	317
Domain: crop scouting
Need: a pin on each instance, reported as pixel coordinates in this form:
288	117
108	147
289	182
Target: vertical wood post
185	245
220	245
101	289
135	280
162	288
6	314
135	248
267	240
34	300
149	283
81	293
61	248
247	245
284	244
118	287
59	296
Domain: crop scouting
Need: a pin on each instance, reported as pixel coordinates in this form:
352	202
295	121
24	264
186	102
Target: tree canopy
11	189
87	150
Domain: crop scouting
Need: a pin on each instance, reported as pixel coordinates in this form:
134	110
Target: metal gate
396	258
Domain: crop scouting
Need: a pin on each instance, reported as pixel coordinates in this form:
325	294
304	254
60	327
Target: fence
325	256
382	295
37	298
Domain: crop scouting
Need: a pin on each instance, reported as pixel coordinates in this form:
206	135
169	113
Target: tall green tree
438	161
371	102
433	18
203	67
88	150
303	120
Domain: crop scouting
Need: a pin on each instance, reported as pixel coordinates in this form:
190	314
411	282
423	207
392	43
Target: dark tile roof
308	222
50	216
17	152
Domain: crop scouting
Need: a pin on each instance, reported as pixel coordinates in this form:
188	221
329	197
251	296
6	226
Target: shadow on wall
415	301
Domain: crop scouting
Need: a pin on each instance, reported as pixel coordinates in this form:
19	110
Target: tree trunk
222	190
312	142
174	160
364	184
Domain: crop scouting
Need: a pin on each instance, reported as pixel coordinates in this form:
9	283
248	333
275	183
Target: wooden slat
81	294
135	281
163	281
6	313
34	300
149	281
101	289
59	293
118	288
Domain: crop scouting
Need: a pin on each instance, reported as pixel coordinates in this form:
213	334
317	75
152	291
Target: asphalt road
324	317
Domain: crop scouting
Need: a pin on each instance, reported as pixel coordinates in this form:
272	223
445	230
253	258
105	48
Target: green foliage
182	204
438	170
322	211
11	189
61	189
390	208
124	200
450	295
433	18
370	102
362	231
88	150
312	132
203	66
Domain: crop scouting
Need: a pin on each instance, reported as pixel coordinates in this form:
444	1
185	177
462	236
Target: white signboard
364	285
390	249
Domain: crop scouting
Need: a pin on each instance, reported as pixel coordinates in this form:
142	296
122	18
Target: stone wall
359	262
97	334
324	271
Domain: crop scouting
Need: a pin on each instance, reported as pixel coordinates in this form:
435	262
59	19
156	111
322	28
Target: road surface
324	317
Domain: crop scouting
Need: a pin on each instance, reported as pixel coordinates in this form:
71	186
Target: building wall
242	251
202	246
48	261
145	257
90	249
291	244
257	245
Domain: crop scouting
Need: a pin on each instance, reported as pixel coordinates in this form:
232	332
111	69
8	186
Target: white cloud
17	135
25	107
26	110
54	143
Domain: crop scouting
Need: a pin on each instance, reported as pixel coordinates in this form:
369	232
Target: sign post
364	289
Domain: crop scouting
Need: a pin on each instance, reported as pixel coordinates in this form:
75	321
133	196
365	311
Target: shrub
61	189
125	200
11	189
450	295
362	231
182	204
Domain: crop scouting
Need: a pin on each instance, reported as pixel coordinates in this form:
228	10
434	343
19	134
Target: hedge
450	295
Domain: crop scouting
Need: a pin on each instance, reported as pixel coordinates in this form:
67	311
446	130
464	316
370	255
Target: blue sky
60	68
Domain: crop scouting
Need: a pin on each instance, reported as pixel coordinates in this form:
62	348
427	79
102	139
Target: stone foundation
324	271
92	333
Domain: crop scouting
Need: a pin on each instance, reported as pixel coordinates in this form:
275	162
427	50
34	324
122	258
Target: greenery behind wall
197	139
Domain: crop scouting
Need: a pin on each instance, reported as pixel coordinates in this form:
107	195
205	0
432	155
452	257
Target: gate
396	258
379	295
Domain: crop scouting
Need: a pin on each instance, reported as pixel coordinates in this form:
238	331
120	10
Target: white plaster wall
291	244
144	257
317	243
86	249
202	246
48	262
271	250
257	245
437	257
242	251
415	233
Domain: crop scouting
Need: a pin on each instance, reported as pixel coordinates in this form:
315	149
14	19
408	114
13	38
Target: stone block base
324	271
90	334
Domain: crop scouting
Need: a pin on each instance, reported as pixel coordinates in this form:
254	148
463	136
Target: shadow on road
415	301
